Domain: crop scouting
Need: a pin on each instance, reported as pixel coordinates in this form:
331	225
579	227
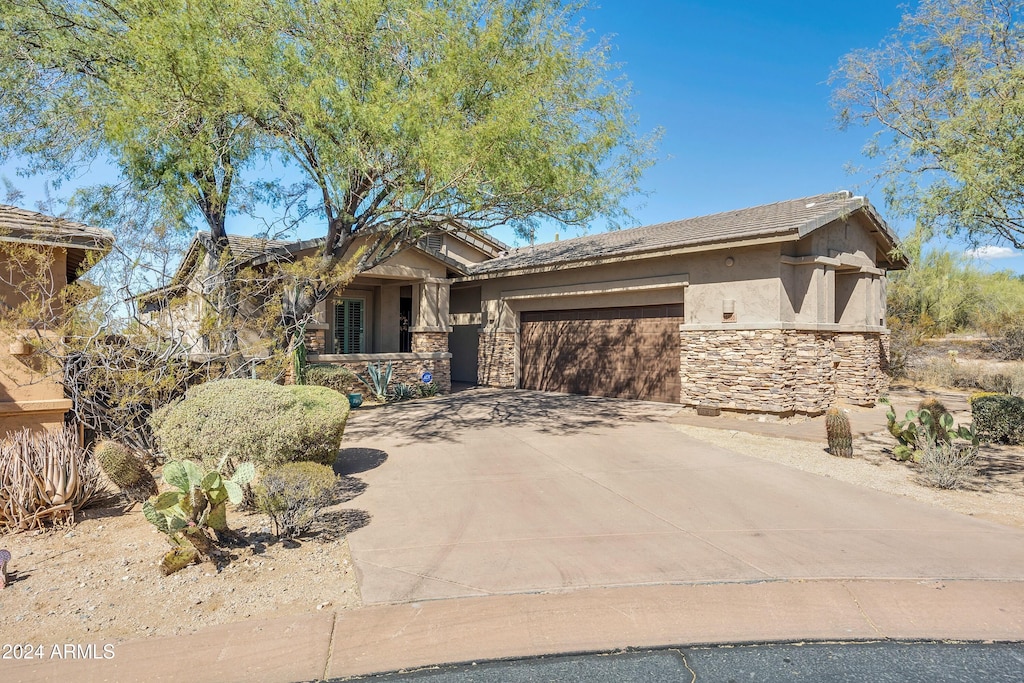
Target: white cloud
990	253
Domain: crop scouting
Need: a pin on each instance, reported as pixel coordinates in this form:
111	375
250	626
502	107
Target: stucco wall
31	393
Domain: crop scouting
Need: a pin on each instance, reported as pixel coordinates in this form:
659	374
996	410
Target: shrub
335	377
253	420
946	464
969	375
1010	346
998	417
293	494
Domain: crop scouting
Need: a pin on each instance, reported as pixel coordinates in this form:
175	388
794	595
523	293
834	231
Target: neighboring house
772	309
31	393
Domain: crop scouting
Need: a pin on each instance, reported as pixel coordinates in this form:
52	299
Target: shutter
348	326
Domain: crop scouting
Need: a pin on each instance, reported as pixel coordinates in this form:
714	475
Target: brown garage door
623	352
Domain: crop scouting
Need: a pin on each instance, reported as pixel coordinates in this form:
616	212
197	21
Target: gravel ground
996	494
99	581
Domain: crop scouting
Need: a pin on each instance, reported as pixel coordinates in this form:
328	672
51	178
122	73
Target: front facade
775	309
39	256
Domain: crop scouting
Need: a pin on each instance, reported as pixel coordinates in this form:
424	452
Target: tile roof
796	216
32	227
18	224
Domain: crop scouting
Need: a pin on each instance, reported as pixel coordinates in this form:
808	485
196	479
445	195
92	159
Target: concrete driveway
490	492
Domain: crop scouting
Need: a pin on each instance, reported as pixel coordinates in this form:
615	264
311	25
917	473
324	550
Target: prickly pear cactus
125	470
840	436
177	559
5	557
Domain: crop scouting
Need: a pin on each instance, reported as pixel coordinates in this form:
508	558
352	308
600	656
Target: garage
628	352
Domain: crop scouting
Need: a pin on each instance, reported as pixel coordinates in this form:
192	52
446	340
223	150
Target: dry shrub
966	375
947	464
294	494
45	478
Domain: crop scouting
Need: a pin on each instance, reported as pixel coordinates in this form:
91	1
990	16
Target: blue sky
741	92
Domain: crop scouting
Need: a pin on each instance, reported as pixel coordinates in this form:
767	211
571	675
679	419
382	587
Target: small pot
355	400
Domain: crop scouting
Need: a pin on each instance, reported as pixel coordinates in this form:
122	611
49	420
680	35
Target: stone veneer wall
316	341
496	359
429	342
862	374
409	371
782	371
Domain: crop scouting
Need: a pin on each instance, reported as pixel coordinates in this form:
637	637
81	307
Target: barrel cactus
840	436
125	470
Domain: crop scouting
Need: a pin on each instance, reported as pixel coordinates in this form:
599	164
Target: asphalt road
882	662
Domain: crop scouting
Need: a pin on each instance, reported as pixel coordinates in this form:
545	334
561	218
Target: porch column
431	328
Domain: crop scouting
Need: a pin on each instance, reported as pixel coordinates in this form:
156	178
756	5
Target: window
348	326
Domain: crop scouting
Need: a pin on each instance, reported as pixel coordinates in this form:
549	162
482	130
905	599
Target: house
39	256
772	309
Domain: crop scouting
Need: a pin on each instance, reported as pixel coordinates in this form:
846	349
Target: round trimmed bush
255	420
336	377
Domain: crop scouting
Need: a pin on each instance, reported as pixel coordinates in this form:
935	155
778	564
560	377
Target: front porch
391	314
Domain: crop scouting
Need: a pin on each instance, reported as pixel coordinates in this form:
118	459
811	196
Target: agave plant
378	380
44	479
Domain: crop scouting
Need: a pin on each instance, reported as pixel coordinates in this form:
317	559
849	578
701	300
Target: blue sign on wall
427	377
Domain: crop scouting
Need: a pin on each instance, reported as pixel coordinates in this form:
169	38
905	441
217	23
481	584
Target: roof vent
810	205
431	242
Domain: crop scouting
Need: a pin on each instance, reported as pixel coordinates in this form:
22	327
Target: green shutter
348	326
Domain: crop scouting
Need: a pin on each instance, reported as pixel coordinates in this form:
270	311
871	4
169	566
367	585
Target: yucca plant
45	478
840	436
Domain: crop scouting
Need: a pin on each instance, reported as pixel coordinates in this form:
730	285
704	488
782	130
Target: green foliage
253	420
945	91
198	497
378	380
922	426
293	494
998	417
837	429
403	392
429	389
336	377
125	470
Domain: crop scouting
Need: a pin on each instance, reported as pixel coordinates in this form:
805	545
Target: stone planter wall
782	371
497	359
410	371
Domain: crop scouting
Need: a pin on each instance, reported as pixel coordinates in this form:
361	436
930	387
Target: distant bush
1010	344
293	495
967	375
998	417
334	377
253	420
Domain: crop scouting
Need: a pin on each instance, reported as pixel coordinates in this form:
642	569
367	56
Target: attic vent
431	242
